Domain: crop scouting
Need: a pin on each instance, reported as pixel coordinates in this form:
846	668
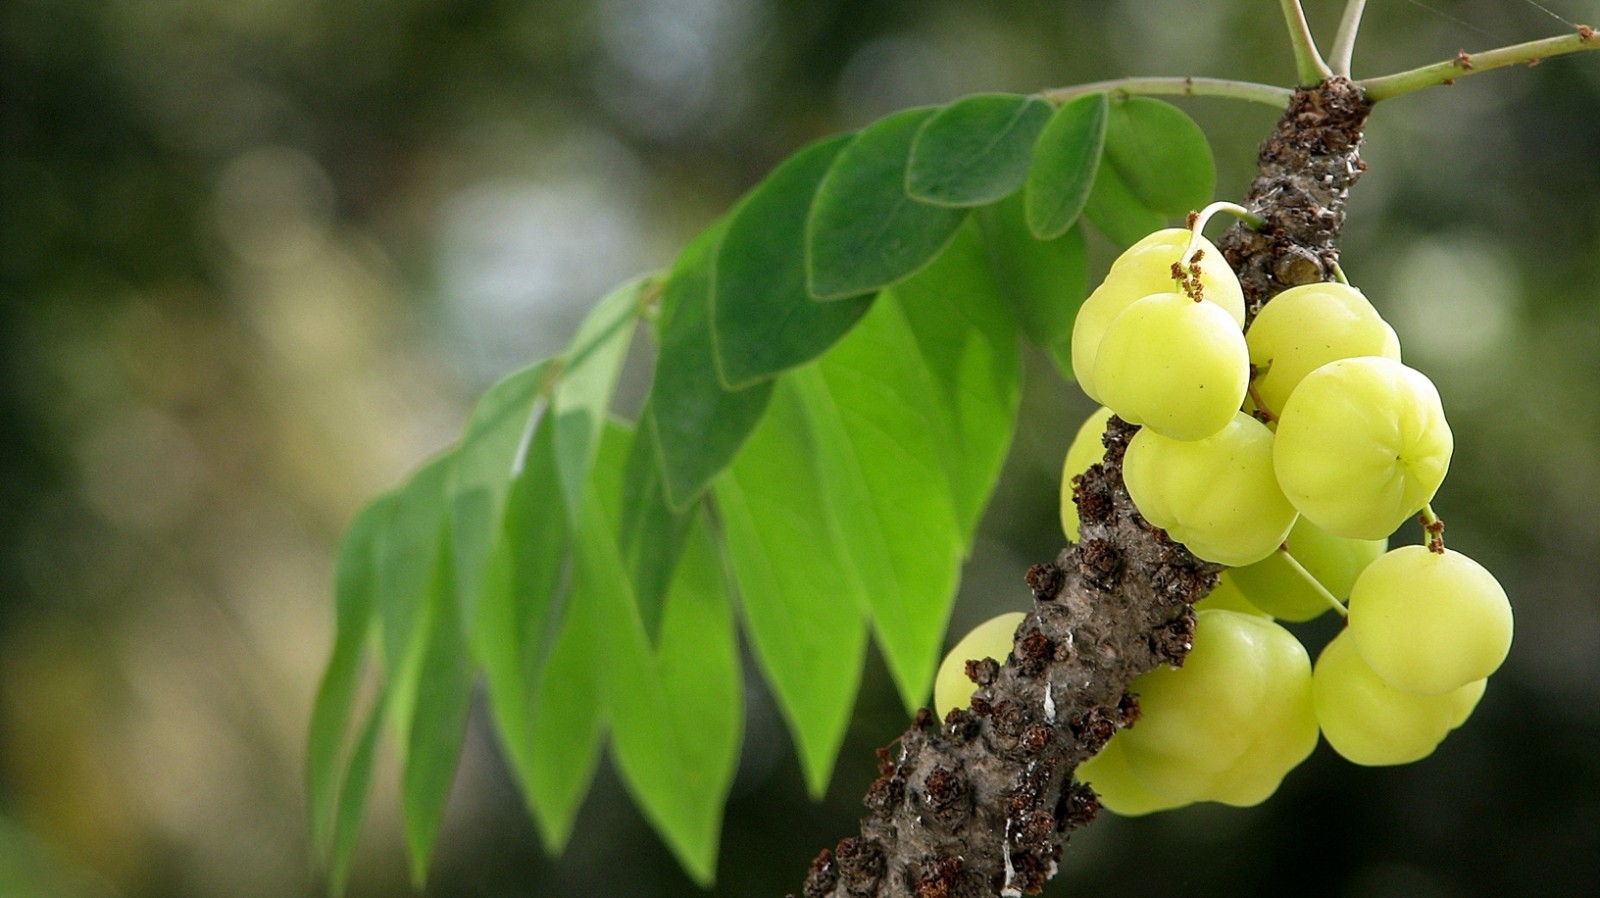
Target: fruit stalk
982	803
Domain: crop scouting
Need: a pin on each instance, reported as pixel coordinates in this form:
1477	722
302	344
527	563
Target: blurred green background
257	257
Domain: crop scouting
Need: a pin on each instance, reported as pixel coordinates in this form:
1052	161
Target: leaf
976	150
1043	282
353	797
582	397
762	319
567	723
408	559
698	424
1117	212
355	602
1065	161
677	710
864	232
877	437
1161	154
968	345
444	696
804	611
652	531
497	433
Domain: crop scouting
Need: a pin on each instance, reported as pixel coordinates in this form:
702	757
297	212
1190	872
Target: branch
1530	53
982	803
1276	97
1307	59
1344	41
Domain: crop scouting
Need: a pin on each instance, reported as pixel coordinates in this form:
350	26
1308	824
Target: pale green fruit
1274	586
1176	366
1371	722
1085	452
1218	496
1362	446
991	639
1228	597
1119	790
1306	327
1146	268
1229	723
1430	623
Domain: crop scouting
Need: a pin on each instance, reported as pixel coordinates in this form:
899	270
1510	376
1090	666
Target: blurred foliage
256	258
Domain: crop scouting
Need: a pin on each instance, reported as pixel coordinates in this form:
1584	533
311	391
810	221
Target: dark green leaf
652	531
676	710
864	231
698	424
444	696
763	320
582	397
500	427
355	603
1162	155
877	435
1117	212
976	150
1065	162
408	562
353	797
1043	281
968	346
804	610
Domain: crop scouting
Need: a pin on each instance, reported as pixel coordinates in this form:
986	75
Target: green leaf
763	321
967	342
444	696
698	424
408	561
498	431
878	437
582	397
1161	154
1117	213
652	531
355	603
568	720
864	231
1065	161
676	710
976	150
353	797
1043	281
803	609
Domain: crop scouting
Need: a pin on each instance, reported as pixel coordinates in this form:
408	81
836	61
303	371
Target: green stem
1432	530
1530	53
1316	585
1276	97
1307	59
1344	42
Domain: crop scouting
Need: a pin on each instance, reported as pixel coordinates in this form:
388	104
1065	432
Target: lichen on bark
982	803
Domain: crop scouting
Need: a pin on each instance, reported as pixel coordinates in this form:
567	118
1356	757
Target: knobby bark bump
982	803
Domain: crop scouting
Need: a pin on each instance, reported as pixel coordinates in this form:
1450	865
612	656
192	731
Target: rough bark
982	803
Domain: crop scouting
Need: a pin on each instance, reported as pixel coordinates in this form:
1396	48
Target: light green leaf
1043	281
353	797
1161	154
698	424
878	437
582	397
501	425
355	604
804	611
1117	213
444	696
976	150
676	710
967	342
408	562
864	231
763	320
1065	161
567	722
652	531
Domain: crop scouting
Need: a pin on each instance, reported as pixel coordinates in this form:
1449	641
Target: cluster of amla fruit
1290	453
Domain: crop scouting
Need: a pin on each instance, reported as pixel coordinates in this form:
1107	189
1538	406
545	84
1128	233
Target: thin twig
1464	64
1267	94
1308	61
1344	42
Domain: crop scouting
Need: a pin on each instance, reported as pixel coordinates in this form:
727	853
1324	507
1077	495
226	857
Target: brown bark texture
982	803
